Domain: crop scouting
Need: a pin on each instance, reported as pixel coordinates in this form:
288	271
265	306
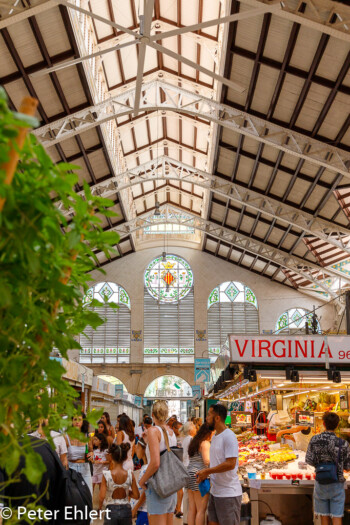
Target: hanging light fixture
156	211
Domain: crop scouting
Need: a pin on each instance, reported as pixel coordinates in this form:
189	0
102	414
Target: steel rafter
173	215
326	16
13	12
168	169
158	95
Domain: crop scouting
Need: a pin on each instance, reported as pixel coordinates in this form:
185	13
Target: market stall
277	389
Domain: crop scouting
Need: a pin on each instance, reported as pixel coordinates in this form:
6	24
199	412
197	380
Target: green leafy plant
44	263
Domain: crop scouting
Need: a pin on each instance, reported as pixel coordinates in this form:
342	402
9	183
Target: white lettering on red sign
292	349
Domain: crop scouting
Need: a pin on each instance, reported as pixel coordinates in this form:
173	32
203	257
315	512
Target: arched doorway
114	380
175	390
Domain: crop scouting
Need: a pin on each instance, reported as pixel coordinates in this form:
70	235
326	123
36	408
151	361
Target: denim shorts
84	469
159	506
118	515
329	500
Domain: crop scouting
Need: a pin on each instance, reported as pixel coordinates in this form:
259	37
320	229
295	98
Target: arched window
232	309
293	322
110	342
168	311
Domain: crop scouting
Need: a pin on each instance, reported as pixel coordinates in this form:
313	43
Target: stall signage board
305	419
241	418
292	349
118	391
196	391
138	401
202	370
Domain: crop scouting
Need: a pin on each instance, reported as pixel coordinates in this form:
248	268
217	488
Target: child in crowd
140	508
118	485
100	461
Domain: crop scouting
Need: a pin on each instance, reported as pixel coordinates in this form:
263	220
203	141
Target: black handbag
327	473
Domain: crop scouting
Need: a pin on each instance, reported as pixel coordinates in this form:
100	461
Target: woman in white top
126	434
160	510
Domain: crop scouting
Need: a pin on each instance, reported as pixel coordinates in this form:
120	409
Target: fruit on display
310	405
283	455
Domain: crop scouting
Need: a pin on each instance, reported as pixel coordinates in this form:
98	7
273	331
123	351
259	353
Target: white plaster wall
209	271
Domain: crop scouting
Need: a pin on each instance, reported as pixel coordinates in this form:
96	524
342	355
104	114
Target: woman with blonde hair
160	510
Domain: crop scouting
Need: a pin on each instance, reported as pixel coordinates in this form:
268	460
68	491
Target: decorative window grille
232	308
168	311
110	342
293	322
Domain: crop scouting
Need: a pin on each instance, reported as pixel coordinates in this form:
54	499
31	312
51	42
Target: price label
255	483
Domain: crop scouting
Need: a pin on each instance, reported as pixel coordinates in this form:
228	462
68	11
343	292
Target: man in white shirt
141	428
225	492
58	441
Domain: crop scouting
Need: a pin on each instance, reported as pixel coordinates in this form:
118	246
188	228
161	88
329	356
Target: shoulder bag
327	473
172	474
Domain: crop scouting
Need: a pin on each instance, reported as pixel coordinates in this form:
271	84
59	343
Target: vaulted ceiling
230	117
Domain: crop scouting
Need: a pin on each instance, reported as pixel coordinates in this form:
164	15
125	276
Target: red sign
310	349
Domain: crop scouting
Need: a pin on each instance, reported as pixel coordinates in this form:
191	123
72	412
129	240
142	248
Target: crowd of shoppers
107	461
212	493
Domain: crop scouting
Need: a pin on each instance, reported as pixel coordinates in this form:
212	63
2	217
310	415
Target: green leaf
34	467
74	238
27	119
12	459
94	416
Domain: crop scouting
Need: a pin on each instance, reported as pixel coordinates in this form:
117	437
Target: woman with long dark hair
198	452
76	450
126	434
100	462
107	420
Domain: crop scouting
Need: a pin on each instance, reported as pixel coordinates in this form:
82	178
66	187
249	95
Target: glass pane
150	359
84	359
97	359
186	359
110	359
123	359
168	359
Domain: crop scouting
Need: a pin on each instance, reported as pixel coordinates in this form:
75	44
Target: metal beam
16	12
317	15
173	215
183	101
70	63
166	169
224	20
145	30
197	67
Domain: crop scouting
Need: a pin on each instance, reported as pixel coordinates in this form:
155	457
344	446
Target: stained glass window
168	279
110	342
168	311
232	291
107	293
293	321
232	308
